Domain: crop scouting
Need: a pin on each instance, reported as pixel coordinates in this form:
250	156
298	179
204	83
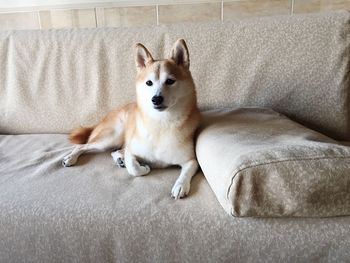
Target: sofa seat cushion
95	212
260	163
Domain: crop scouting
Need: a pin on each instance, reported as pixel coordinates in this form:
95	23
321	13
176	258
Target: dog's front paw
69	160
180	189
141	170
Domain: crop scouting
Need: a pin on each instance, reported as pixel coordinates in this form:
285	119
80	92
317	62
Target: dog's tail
80	135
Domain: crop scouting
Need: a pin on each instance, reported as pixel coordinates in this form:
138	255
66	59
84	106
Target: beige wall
153	12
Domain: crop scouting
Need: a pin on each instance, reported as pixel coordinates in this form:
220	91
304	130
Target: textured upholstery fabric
52	81
95	212
260	163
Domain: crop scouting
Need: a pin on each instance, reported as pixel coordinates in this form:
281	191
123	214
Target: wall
96	13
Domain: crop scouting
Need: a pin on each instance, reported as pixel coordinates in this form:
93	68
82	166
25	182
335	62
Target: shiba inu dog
157	130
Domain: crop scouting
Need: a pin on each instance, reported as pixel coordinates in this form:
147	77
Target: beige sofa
52	81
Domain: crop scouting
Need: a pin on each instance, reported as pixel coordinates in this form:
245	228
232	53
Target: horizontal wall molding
8	8
95	13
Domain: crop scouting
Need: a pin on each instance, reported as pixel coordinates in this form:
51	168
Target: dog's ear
142	56
179	53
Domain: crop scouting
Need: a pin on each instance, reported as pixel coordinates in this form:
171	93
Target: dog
158	129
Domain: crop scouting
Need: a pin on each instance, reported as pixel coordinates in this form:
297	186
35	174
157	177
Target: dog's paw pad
120	162
180	190
118	158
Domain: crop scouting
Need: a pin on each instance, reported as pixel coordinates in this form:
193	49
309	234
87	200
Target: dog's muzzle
158	103
157	100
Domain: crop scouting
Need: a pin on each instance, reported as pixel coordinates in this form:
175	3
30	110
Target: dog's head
164	85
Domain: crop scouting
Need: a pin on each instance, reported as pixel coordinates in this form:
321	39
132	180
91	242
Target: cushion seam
275	162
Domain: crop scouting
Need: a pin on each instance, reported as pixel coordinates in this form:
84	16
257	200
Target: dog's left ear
179	54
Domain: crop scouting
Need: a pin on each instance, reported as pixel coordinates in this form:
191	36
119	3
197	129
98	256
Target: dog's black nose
157	100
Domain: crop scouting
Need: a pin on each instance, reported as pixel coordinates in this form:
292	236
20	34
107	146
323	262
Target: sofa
52	81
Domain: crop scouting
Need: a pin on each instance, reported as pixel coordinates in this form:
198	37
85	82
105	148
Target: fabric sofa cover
52	81
96	212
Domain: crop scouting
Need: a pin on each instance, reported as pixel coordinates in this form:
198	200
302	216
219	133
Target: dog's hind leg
100	141
72	158
108	134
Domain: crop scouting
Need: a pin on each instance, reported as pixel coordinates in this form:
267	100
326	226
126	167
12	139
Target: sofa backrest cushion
52	81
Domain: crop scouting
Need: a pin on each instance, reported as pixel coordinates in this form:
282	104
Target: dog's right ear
142	56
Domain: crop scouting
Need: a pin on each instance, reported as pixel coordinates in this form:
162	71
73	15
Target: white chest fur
161	145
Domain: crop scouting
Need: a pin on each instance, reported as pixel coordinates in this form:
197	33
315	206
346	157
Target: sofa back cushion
52	81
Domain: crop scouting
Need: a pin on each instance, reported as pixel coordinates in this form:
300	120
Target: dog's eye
169	81
149	83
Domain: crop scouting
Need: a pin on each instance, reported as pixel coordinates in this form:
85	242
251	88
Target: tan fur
127	114
153	137
107	126
80	135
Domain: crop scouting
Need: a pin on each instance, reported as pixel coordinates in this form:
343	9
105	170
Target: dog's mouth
159	107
